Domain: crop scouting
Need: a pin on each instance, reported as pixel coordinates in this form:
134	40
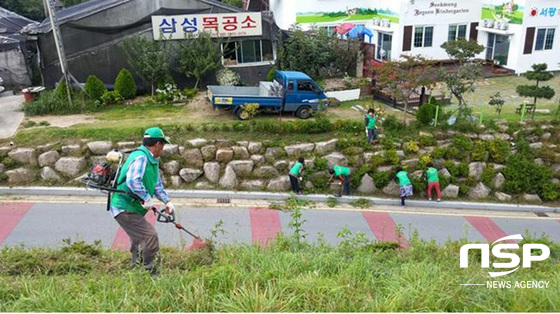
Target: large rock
498	167
282	165
24	156
538	145
266	172
326	147
252	185
273	153
48	174
279	184
502	197
242	168
451	191
486	137
546	136
400	154
411	163
172	167
224	155
70	166
439	163
198	142
444	173
208	152
222	143
99	147
255	147
479	191
4	150
503	137
240	152
126	145
176	181
418	174
48	158
189	174
44	148
212	171
498	181
336	159
532	198
1	168
193	157
243	143
299	149
476	169
556	169
366	184
20	175
229	179
203	186
538	161
392	189
258	159
169	150
71	150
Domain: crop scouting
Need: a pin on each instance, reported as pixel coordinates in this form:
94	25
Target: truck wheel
303	112
242	115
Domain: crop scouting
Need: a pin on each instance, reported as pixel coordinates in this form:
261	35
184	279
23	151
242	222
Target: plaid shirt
134	182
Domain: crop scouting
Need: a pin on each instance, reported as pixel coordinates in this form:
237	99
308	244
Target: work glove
149	204
339	182
169	208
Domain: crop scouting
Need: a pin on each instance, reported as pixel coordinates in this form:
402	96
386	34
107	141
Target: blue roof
294	75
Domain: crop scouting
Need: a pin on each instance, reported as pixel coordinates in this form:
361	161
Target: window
248	51
306	86
456	32
545	39
384	42
423	36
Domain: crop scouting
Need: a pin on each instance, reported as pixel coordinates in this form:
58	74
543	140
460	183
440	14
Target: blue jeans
371	135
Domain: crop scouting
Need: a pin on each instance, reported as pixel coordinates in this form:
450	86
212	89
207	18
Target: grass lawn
489	13
356	276
320	18
361	17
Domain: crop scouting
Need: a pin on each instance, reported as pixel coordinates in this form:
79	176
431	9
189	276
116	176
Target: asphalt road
38	222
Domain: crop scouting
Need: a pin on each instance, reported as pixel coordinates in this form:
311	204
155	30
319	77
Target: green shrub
426	113
471	182
394	127
357	175
49	102
376	161
9	163
391	157
499	150
424	160
61	91
321	164
443	182
426	141
270	74
459	170
550	191
411	147
438	152
190	92
488	176
94	88
452	152
464	189
418	185
463	143
381	179
125	84
524	176
352	151
111	98
479	152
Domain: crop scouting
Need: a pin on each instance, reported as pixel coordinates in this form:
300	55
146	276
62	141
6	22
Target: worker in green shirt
342	173
404	185
371	129
433	181
295	175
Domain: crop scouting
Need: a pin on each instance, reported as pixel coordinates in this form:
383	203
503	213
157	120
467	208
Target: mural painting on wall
330	11
499	10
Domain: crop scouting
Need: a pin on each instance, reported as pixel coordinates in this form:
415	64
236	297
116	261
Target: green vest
403	178
150	179
371	122
339	170
432	175
296	169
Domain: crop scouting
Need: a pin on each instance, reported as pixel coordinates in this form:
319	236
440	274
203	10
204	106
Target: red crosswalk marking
487	228
265	225
122	241
384	228
10	216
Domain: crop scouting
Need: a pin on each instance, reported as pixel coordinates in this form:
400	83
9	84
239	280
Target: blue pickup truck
293	92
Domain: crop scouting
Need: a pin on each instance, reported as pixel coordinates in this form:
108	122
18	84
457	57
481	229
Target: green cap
156	133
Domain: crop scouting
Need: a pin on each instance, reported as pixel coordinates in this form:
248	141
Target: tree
461	82
148	58
496	100
467	74
401	79
69	3
199	56
31	9
539	74
462	50
235	3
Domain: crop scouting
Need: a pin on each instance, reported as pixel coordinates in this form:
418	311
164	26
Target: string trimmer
102	178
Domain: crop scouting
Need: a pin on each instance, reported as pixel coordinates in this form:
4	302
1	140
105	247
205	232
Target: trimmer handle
162	216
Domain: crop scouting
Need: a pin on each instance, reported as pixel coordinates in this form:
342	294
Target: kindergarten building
515	34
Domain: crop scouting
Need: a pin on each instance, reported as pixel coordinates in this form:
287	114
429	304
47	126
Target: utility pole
67	77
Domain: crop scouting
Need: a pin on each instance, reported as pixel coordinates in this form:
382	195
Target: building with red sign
92	31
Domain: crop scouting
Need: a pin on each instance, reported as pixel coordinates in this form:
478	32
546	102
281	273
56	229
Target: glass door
497	48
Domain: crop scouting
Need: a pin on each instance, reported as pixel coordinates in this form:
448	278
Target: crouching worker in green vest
343	173
140	175
295	175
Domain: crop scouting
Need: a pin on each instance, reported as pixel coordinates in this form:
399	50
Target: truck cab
302	94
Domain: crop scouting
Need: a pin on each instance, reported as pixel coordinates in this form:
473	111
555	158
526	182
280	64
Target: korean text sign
218	25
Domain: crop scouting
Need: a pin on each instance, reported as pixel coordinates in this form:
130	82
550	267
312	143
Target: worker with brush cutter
342	173
140	180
